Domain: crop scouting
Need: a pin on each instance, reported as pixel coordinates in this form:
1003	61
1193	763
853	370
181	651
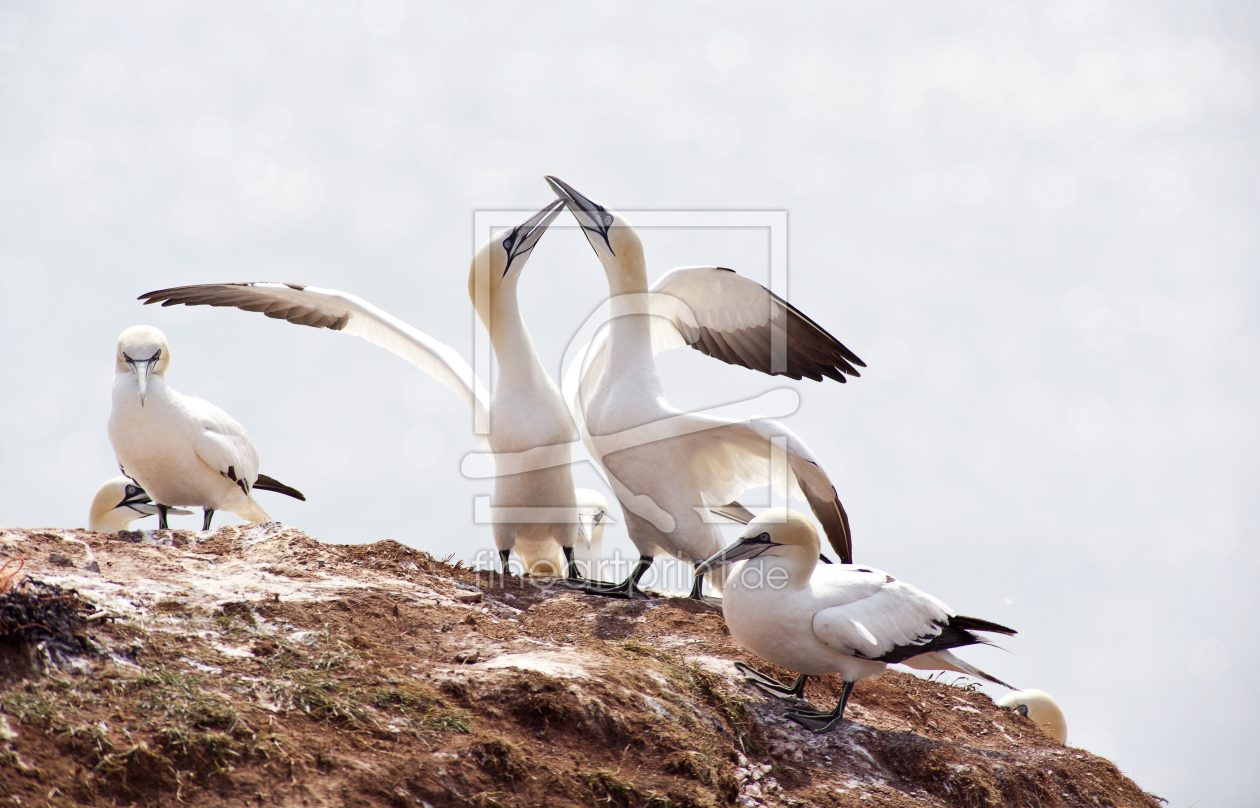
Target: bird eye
507	244
1022	709
132	490
607	220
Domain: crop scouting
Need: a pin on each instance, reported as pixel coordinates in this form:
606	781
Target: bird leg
162	509
818	721
773	688
209	514
503	562
697	586
626	590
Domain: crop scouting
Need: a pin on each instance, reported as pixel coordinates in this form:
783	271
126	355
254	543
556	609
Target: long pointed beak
590	215
744	549
525	235
584	531
143	369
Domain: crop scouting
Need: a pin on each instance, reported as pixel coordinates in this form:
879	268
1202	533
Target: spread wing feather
328	308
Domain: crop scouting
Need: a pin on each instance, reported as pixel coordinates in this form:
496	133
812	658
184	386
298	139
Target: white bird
814	619
118	503
684	462
526	414
1041	707
181	450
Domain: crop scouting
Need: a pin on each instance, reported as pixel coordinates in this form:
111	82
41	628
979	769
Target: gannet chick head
118	502
1041	708
142	350
501	259
779	533
613	238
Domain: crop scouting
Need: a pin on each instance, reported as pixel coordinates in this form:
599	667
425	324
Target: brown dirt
256	666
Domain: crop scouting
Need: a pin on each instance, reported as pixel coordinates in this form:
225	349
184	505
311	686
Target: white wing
733	457
222	443
722	314
874	614
328	308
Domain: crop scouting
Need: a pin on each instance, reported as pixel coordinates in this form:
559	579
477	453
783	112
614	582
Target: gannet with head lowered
526	413
181	450
691	461
816	619
118	503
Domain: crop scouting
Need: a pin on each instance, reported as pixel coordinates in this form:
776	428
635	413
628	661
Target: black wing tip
976	624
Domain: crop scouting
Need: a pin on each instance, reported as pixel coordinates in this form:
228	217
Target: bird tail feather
945	661
265	483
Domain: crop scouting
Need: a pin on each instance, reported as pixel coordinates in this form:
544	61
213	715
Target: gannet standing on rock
181	450
118	503
684	462
527	414
814	619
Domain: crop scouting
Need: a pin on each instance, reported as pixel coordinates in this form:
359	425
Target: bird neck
630	332
518	359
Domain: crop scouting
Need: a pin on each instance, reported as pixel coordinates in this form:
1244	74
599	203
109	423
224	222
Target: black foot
771	687
504	569
818	721
626	590
162	509
209	514
697	588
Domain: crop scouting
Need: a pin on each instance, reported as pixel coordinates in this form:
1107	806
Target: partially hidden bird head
592	514
1041	707
611	236
142	350
118	502
500	259
778	533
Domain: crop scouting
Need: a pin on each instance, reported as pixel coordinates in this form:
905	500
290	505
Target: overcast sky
1038	228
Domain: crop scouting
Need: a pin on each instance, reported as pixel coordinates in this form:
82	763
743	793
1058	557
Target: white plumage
817	619
1041	708
118	503
526	413
182	450
681	462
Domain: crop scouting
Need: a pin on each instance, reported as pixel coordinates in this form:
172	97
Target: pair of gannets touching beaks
664	465
816	619
182	451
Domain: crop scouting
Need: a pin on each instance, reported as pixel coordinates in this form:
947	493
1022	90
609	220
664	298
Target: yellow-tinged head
614	240
1041	707
500	259
142	350
776	533
118	502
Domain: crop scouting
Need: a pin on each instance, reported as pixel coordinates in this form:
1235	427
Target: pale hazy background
1038	227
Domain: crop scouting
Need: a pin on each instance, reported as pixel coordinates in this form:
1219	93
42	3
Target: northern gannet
691	460
527	412
118	503
814	619
181	450
1041	707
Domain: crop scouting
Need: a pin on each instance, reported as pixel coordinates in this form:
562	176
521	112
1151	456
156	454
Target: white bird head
142	350
776	533
592	514
1041	707
501	258
614	239
118	502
